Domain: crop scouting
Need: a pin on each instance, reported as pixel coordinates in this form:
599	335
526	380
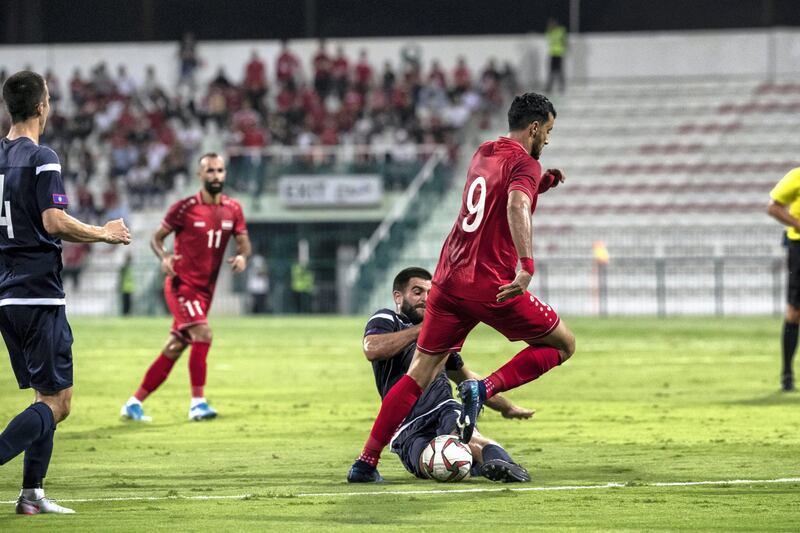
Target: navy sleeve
454	362
382	321
50	192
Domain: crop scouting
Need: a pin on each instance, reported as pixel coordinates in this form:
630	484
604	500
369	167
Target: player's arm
381	346
243	250
498	402
518	211
785	192
63	226
167	258
780	212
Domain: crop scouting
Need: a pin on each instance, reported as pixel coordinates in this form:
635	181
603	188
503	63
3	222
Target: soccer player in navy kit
477	280
389	344
33	321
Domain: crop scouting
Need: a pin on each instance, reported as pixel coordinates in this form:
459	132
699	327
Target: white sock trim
32	494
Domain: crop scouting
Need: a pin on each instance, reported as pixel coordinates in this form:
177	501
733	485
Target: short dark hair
402	278
529	108
208	154
22	92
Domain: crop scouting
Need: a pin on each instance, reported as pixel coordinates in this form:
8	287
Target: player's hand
515	411
168	264
238	263
515	288
556	176
116	232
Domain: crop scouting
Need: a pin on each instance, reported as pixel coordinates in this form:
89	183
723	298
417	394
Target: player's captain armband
527	264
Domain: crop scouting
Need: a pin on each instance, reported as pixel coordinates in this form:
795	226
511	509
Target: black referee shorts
793	280
39	342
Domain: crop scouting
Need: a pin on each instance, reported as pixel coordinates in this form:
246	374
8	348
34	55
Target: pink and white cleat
42	505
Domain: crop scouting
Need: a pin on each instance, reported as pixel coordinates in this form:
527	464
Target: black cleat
499	470
471	403
363	472
787	383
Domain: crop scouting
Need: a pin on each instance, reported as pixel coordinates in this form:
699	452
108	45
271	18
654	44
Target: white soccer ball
446	459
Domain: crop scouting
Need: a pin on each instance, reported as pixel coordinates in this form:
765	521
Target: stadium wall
763	54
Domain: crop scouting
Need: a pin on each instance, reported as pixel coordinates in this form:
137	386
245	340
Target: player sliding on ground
390	339
33	320
203	224
476	281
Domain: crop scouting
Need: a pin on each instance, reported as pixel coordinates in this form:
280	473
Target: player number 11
475	208
212	241
197	311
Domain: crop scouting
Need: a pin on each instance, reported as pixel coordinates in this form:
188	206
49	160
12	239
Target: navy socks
36	461
493	451
26	429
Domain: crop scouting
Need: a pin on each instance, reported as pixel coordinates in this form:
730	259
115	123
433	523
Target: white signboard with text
361	190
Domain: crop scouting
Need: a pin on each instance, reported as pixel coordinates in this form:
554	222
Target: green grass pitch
643	401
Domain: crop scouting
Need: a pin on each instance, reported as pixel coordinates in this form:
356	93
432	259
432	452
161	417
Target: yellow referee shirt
787	192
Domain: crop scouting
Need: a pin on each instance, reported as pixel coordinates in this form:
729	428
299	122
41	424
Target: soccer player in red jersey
477	280
203	224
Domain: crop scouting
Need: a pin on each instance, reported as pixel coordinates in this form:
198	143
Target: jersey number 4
475	208
5	210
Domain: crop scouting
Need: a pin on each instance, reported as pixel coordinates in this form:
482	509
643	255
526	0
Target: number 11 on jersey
212	241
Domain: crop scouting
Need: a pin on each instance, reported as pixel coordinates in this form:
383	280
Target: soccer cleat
787	383
43	505
363	472
499	470
471	403
202	411
135	412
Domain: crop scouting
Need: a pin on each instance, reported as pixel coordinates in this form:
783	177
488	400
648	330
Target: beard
414	314
213	187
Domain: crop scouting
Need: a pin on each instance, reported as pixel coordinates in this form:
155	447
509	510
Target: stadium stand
672	178
128	149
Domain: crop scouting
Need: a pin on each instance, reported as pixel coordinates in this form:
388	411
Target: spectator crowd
126	143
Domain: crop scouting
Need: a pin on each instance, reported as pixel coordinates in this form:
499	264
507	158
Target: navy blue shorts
412	437
39	342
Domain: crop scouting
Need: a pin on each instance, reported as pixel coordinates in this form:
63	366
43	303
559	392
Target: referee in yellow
784	206
556	36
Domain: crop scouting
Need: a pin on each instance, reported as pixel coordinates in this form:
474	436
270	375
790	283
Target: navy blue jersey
388	371
30	258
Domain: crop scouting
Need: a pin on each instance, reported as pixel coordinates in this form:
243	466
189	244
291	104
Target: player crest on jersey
227	224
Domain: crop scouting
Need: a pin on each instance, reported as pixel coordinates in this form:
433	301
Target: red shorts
448	320
188	306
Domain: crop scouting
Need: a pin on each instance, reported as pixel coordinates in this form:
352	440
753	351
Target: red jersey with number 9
479	254
202	232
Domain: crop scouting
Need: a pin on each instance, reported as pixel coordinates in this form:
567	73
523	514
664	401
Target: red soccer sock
198	367
395	407
526	366
154	377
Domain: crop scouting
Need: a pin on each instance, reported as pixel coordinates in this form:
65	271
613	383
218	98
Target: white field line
609	485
